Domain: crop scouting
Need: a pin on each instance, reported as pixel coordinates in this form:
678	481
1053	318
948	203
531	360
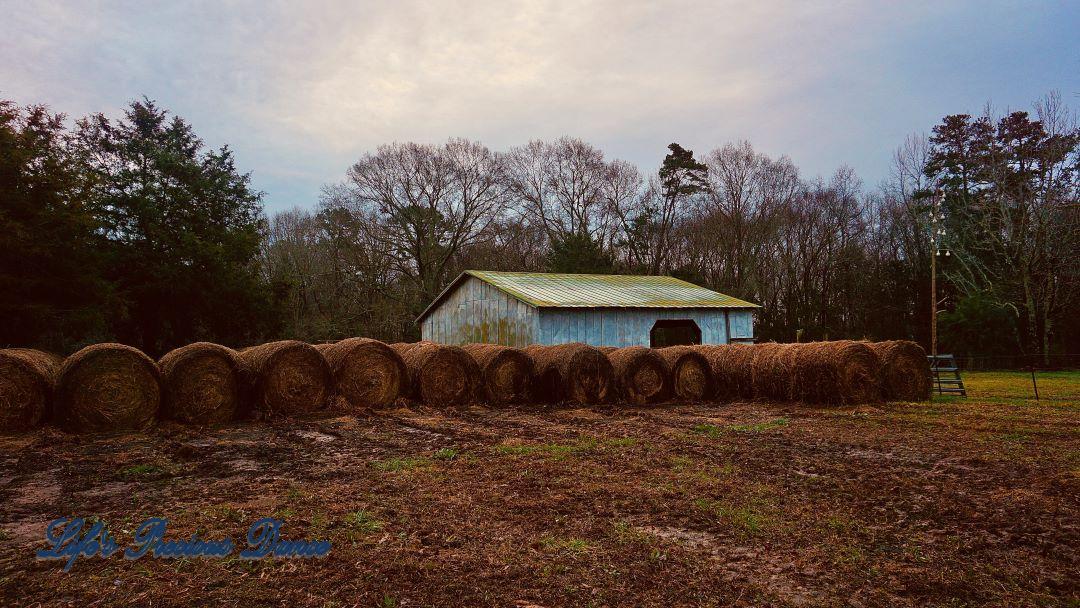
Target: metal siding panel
477	321
546	336
645	322
502	321
622	321
609	329
592	327
532	323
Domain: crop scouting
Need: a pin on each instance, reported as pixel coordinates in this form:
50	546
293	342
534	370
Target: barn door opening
674	333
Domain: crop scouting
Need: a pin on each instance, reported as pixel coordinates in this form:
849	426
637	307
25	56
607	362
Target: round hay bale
201	383
731	369
573	372
287	377
772	371
367	373
26	387
439	374
691	376
108	388
641	374
507	372
905	370
838	372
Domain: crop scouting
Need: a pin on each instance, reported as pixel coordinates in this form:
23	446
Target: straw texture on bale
439	374
772	371
732	369
286	377
641	374
366	373
506	372
108	388
905	370
201	383
691	376
26	387
573	372
841	372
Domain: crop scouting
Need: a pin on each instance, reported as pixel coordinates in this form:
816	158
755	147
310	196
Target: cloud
302	89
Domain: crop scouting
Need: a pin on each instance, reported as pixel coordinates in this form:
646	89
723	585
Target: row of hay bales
112	387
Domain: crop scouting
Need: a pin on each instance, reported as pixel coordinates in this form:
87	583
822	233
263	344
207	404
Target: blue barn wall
632	326
478	312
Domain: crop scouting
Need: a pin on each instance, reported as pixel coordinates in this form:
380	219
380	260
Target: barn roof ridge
566	290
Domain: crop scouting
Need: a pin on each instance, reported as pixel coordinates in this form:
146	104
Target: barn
520	308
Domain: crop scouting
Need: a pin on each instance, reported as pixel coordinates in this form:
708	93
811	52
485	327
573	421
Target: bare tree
424	204
564	187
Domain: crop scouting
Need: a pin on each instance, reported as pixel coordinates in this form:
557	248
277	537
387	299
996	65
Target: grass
400	464
711	430
1014	388
760	427
362	522
141	470
749	518
446	454
555	450
564	545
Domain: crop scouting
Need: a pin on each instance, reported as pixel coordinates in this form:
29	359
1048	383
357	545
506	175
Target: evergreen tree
578	253
183	228
51	294
681	178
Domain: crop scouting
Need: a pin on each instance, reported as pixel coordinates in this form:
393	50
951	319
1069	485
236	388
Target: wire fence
1053	362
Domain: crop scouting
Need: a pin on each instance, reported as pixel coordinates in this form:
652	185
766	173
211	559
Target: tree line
130	229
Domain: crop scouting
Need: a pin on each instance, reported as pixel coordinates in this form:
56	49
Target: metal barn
520	308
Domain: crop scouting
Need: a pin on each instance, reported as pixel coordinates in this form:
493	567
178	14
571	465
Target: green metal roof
555	290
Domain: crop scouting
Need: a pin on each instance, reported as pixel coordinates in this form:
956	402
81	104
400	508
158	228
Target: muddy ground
956	503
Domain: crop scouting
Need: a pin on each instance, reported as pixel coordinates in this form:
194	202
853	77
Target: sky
300	90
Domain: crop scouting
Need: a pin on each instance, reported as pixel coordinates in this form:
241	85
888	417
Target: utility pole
933	301
937	235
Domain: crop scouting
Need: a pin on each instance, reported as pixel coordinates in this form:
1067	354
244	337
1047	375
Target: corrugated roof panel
554	290
603	290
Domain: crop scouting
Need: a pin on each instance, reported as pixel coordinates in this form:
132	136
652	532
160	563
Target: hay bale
905	370
573	372
286	377
772	371
641	374
108	388
732	370
838	372
506	372
439	374
26	387
366	373
691	376
201	383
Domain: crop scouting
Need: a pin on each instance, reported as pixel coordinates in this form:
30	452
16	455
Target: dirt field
952	503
